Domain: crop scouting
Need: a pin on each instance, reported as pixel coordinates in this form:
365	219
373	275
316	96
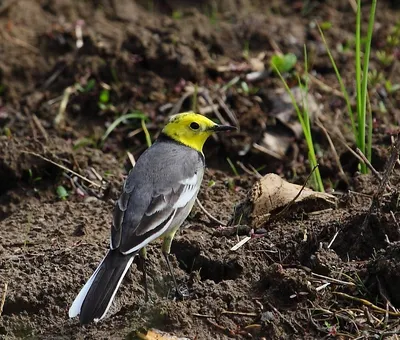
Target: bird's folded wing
143	214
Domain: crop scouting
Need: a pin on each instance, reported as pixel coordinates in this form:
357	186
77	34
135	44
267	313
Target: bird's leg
166	248
143	257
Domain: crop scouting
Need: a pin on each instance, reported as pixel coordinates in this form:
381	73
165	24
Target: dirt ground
57	100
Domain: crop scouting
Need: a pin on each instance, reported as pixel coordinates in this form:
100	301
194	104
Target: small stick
323	286
3	298
211	217
360	194
255	171
134	132
228	111
245	169
389	166
335	154
368	164
325	87
131	159
366	303
221	328
383	294
252	171
209	101
203	315
241	243
268	152
394	218
96	174
340	316
351	150
332	279
368	315
40	127
63	106
253	315
176	108
282	317
333	239
63	167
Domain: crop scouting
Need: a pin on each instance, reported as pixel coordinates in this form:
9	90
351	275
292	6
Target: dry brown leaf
271	194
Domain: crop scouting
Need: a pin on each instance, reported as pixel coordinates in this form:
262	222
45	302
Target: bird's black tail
96	296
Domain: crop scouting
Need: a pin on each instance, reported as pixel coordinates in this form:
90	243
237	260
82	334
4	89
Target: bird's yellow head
192	129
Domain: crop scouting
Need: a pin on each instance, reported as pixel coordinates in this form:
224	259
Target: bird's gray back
152	189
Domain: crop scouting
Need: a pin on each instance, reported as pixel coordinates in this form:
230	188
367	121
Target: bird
157	196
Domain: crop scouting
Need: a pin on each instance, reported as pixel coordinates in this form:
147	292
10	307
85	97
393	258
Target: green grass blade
369	136
341	83
233	167
119	120
358	69
146	132
306	127
364	84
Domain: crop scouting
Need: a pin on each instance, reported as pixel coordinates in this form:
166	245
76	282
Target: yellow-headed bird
157	196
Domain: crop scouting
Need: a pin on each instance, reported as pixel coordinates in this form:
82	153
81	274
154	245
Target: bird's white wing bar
187	195
152	237
191	180
188	192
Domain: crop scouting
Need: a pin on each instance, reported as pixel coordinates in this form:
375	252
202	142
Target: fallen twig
249	314
335	154
3	298
203	316
63	105
368	164
131	159
221	328
390	164
331	279
282	317
39	125
241	243
63	167
333	239
211	217
267	151
367	303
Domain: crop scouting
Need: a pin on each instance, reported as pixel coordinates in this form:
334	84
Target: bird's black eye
194	126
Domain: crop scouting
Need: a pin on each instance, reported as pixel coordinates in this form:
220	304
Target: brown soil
145	53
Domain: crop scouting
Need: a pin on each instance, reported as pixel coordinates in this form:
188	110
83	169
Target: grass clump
303	115
361	120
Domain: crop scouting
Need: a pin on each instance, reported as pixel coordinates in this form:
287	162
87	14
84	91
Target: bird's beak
223	128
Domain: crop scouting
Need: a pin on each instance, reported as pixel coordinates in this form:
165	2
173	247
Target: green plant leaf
104	96
62	193
283	63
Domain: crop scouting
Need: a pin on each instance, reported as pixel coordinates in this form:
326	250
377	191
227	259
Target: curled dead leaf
271	194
